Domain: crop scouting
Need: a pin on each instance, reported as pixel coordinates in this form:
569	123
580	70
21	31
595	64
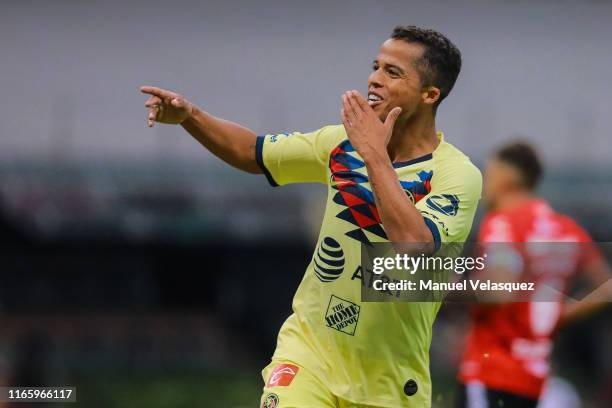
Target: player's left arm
369	136
424	223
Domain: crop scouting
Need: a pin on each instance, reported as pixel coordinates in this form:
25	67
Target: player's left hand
364	129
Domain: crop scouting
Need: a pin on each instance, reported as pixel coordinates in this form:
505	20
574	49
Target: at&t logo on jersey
328	260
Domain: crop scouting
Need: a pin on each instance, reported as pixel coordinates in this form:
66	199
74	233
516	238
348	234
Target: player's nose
375	79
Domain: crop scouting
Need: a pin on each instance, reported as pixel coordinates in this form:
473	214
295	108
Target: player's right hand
165	106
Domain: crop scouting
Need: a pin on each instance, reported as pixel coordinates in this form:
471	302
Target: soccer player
391	177
508	346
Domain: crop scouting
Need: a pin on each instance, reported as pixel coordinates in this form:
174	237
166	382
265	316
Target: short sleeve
449	208
295	157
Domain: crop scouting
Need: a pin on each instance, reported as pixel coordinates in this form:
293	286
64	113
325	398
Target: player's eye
393	73
374	67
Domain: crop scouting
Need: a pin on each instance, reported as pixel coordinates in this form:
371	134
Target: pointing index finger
153	90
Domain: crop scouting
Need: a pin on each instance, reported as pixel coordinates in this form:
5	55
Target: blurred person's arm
232	143
599	275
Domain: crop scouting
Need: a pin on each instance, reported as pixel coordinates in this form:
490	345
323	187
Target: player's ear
430	95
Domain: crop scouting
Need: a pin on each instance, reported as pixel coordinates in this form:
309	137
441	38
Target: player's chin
381	109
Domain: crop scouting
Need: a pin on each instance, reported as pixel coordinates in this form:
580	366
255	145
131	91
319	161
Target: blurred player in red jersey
505	363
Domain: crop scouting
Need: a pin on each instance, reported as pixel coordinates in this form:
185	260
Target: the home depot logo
342	315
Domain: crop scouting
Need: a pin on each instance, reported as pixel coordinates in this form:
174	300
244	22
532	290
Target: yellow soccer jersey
374	353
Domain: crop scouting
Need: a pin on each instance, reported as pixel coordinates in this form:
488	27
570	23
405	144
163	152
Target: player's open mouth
374	99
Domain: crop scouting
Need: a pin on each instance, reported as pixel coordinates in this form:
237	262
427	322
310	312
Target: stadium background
139	268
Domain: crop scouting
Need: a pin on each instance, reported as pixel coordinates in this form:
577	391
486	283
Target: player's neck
413	138
513	199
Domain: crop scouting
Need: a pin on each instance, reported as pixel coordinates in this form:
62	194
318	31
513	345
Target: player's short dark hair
441	61
523	157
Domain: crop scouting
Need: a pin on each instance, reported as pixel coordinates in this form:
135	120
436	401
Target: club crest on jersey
359	201
447	204
271	401
342	315
328	260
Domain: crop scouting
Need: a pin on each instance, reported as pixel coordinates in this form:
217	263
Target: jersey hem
380	403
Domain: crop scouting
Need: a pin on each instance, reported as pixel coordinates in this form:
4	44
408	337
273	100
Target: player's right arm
232	143
598	274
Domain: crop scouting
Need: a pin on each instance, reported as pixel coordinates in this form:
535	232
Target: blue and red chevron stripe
359	201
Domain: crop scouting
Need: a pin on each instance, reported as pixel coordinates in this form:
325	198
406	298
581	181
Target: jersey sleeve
449	208
295	157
